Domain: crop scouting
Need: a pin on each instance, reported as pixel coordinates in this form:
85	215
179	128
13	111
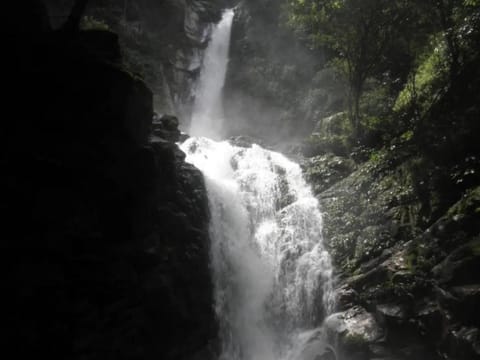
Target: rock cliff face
406	283
105	246
161	40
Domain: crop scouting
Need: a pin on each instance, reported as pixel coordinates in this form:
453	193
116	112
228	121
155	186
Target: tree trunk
357	89
356	130
445	12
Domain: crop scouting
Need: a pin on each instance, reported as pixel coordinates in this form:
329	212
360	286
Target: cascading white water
271	272
207	117
270	266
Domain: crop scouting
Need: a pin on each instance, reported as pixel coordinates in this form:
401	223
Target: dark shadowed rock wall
105	242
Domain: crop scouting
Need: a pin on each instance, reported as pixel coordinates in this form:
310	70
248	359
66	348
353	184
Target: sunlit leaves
426	79
472	2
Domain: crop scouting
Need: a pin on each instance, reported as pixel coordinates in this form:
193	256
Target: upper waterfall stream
207	117
271	272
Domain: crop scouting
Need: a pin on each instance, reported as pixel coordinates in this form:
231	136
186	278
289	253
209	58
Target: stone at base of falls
360	335
346	297
166	127
354	331
424	315
246	141
312	345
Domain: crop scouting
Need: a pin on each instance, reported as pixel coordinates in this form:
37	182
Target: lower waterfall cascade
271	271
272	274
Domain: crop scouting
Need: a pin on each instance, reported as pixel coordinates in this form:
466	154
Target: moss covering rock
403	252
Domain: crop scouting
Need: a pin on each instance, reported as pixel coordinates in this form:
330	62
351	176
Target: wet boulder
468	299
166	127
246	141
463	343
313	345
391	312
461	266
354	331
431	318
346	297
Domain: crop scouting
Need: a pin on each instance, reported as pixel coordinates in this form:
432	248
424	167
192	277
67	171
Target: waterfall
207	117
271	271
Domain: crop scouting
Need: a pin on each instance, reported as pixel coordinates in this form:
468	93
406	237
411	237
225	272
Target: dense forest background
397	58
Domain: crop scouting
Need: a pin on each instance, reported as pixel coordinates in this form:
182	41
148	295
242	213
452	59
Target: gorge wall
105	245
162	41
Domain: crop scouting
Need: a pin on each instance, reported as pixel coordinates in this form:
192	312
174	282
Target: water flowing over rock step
272	274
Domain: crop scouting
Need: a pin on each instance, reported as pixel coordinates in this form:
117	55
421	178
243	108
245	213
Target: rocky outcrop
166	127
353	331
105	245
161	40
404	272
325	170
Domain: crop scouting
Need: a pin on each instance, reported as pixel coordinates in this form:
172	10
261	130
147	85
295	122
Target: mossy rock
353	341
461	266
319	144
354	331
324	171
468	205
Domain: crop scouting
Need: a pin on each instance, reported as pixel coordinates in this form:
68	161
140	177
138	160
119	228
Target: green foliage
317	144
377	99
411	50
378	156
407	135
472	2
91	23
468	205
332	135
420	259
359	34
426	81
